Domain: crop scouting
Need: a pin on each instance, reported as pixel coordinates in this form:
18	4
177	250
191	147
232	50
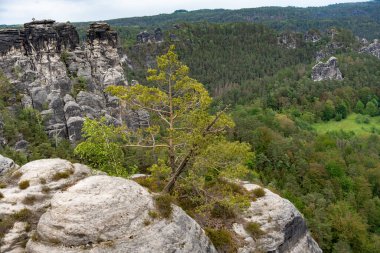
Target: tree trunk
170	185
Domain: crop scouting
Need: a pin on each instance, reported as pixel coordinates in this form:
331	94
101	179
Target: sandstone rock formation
283	225
146	37
326	71
287	40
73	209
60	77
6	165
31	187
108	214
373	49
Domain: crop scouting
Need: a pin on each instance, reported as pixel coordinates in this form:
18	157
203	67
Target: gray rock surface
45	178
373	49
109	214
284	227
47	64
326	71
6	165
287	40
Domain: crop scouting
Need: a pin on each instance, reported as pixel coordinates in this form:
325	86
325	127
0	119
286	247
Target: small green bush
16	174
222	210
153	214
222	239
1	195
23	184
163	204
259	192
45	189
29	200
61	175
3	185
253	228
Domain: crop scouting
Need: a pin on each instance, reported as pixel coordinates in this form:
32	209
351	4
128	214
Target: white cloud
21	11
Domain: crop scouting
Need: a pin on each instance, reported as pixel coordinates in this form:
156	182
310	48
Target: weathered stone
287	40
326	71
74	127
6	165
72	109
45	178
44	60
312	36
284	227
21	145
373	49
111	215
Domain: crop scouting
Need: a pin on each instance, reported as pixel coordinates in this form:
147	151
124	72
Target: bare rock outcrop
373	49
31	188
284	227
6	165
109	214
45	62
326	71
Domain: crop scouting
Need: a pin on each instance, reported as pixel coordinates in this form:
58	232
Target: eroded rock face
6	165
146	37
326	71
287	40
373	49
46	62
109	214
284	228
31	187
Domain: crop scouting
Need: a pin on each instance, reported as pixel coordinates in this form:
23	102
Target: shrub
29	200
23	184
3	185
163	204
8	222
147	222
16	174
259	192
1	195
45	189
222	239
61	175
153	214
223	210
253	228
42	180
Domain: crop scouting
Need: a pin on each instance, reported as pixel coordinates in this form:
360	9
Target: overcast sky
22	11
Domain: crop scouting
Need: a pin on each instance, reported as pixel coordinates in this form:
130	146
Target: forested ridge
362	18
333	176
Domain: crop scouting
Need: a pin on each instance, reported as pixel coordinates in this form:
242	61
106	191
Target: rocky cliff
373	48
53	205
62	78
326	71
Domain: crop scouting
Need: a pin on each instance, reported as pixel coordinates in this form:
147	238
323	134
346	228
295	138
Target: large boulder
326	71
109	214
31	187
6	165
284	228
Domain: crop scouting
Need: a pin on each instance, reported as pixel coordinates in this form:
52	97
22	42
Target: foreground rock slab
31	188
109	214
284	227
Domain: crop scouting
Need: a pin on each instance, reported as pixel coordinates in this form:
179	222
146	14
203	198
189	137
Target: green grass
350	124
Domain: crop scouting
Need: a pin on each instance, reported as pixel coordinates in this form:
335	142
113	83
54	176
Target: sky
22	11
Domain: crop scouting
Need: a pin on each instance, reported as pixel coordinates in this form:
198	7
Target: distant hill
362	19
